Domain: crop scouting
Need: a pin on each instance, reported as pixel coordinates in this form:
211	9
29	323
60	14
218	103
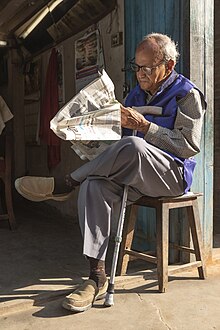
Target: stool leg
162	220
128	234
195	226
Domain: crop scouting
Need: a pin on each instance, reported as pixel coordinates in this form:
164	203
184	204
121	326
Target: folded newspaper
91	120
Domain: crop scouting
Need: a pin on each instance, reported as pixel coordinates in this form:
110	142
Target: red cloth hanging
49	108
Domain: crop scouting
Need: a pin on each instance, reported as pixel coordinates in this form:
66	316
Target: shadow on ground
43	255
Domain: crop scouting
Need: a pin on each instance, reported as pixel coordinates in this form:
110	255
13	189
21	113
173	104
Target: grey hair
167	47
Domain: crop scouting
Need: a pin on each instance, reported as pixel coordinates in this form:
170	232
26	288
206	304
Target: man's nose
141	73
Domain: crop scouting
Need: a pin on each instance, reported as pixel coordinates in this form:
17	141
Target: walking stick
118	238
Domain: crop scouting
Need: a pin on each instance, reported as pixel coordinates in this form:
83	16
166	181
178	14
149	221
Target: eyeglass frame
140	67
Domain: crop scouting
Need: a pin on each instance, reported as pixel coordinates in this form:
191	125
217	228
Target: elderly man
156	162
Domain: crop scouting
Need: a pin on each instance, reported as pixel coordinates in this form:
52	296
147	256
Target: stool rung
143	256
182	248
189	266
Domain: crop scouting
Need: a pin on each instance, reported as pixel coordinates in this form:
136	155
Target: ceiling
13	13
67	19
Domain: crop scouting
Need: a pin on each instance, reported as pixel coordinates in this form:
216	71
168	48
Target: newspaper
91	120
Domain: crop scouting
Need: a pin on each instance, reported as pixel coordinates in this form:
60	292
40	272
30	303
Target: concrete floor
41	262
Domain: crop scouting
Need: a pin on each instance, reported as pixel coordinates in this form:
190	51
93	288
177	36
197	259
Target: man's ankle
70	182
65	186
97	271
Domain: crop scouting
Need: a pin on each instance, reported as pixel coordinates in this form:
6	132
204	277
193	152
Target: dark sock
65	186
97	271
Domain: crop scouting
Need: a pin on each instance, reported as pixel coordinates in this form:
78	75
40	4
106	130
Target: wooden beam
12	17
201	48
184	267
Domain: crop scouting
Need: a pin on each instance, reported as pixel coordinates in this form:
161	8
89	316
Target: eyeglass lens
135	67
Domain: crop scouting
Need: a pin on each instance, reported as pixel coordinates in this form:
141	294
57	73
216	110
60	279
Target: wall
36	156
162	16
202	74
217	120
15	101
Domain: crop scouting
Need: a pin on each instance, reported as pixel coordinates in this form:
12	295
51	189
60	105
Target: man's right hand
132	119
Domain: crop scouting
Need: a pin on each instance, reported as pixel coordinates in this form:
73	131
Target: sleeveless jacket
174	88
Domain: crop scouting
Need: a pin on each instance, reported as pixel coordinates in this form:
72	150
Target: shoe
38	189
83	298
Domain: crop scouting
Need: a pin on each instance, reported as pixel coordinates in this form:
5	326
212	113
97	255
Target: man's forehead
148	45
149	49
145	53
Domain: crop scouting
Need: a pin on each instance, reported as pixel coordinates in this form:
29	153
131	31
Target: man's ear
170	65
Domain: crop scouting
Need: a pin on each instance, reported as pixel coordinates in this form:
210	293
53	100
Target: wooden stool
5	176
162	206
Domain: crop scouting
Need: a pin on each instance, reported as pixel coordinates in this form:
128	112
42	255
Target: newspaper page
91	120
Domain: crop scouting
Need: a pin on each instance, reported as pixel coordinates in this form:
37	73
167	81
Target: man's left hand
134	120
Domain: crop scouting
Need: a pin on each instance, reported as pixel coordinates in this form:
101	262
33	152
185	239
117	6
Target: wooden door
190	24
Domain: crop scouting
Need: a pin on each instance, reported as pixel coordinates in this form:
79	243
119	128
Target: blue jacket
175	87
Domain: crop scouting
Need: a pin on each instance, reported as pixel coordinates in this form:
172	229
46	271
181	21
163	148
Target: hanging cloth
5	114
49	108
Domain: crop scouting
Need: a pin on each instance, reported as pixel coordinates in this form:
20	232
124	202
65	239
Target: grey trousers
131	161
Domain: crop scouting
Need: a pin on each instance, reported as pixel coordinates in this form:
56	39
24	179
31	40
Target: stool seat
162	206
154	200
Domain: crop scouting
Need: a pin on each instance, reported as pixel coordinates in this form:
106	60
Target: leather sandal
83	298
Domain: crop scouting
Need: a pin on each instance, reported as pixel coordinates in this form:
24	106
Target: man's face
150	82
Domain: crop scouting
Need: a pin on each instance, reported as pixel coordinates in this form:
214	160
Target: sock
97	271
66	186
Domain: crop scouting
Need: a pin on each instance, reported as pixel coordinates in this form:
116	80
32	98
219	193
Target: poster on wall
88	59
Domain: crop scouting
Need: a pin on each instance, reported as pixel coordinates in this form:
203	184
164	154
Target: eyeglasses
148	71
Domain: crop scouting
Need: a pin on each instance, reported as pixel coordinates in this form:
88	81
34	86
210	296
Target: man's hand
132	119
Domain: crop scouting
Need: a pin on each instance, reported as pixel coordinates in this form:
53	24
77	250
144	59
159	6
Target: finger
126	109
123	120
123	110
122	107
